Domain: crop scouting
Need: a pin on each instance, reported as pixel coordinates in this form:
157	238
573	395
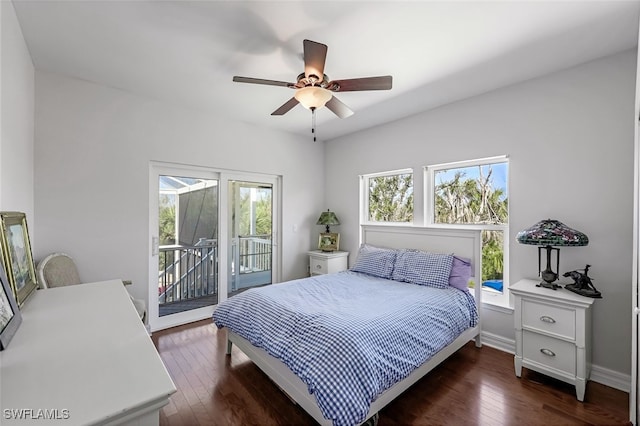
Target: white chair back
57	270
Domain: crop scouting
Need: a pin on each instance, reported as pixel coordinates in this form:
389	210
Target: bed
336	378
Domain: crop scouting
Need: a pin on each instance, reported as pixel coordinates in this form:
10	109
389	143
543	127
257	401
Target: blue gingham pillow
376	261
423	268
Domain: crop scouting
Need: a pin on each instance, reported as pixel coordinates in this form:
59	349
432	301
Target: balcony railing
189	273
252	254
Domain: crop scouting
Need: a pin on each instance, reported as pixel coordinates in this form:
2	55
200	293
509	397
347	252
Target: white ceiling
187	52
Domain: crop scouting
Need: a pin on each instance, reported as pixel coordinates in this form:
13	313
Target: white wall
569	137
93	146
16	119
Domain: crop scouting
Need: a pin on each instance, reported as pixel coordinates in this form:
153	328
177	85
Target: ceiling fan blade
238	79
286	107
315	55
357	84
338	108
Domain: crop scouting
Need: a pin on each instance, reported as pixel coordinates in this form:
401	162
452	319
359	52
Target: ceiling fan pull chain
313	123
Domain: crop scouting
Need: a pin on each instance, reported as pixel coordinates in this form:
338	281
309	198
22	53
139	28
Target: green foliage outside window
391	198
167	220
492	255
167	226
263	214
460	199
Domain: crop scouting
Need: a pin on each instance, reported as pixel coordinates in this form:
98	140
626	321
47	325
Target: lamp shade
328	218
552	232
312	96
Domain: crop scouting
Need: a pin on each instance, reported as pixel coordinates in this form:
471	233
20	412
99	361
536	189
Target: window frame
488	296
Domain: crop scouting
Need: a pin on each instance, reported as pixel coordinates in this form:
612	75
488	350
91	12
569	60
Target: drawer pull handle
318	266
547	352
545	318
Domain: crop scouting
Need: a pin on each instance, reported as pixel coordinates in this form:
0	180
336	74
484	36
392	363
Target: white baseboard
611	378
604	376
498	342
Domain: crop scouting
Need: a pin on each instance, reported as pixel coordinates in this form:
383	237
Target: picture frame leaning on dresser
10	317
17	258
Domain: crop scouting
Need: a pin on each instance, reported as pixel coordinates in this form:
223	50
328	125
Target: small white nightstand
553	333
327	262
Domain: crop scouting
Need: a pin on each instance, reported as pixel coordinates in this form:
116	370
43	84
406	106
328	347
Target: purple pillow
460	273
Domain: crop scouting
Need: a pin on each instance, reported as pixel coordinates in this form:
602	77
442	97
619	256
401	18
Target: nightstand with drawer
553	333
327	262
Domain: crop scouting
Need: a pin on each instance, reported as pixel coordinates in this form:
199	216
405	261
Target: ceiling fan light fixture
313	87
313	96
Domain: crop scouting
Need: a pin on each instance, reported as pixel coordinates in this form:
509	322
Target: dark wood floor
473	387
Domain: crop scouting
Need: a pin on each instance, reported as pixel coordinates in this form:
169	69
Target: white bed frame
462	242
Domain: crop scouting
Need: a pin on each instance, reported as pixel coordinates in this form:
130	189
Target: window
475	193
388	196
470	193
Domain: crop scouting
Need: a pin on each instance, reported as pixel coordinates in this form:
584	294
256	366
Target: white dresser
553	333
327	262
82	357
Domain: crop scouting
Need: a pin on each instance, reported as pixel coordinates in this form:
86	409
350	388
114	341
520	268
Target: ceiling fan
313	87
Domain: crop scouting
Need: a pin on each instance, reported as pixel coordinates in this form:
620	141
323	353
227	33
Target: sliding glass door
188	243
213	235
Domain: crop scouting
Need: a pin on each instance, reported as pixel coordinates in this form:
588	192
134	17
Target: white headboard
462	242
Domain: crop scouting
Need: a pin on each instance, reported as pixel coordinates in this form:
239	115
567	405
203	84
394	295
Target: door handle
155	246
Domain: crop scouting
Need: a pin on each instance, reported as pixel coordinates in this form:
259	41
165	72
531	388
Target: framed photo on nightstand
329	241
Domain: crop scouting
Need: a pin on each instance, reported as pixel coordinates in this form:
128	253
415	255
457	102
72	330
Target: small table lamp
546	234
328	241
328	218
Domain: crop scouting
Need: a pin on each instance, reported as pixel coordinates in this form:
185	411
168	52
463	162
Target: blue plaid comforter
348	336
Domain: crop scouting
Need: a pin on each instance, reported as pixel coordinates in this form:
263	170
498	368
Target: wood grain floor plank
473	387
